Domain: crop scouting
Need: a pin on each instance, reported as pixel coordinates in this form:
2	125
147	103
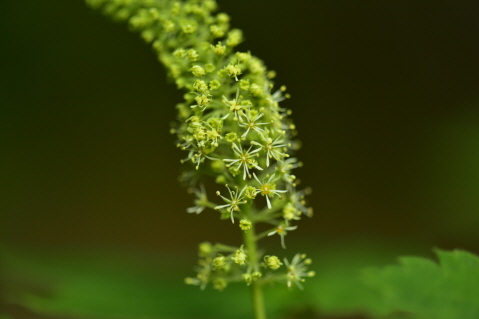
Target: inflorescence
232	129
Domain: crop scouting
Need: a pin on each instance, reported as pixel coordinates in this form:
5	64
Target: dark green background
385	98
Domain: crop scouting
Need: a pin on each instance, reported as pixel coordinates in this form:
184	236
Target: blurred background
384	94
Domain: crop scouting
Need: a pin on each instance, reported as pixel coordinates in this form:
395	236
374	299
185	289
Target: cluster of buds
232	129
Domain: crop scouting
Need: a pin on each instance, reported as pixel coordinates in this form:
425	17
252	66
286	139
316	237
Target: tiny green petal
247	278
216	31
243	56
255	89
231	137
198	71
239	257
192	55
219	262
233	70
250	192
179	53
244	84
256	275
272	262
200	86
245	224
234	38
188	26
219	49
205	249
214	85
219	284
223	18
209	68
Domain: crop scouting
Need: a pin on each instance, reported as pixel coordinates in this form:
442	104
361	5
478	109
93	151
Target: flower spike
233	131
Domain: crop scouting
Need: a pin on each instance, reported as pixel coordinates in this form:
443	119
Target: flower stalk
256	287
234	134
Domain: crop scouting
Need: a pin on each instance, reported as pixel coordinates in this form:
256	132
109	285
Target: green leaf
425	289
123	284
105	285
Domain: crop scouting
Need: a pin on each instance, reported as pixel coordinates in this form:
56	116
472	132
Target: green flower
240	257
236	199
281	230
245	224
218	49
219	262
201	201
250	122
268	189
272	262
273	148
298	270
245	159
198	71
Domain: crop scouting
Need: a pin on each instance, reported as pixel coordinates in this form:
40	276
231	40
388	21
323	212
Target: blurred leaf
337	288
448	290
99	284
105	284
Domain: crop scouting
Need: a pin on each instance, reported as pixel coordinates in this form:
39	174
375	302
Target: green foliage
122	284
99	284
425	289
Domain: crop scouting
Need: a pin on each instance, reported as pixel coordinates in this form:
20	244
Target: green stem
256	288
